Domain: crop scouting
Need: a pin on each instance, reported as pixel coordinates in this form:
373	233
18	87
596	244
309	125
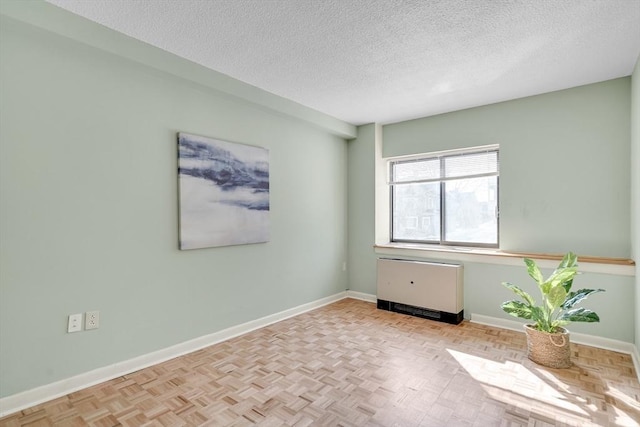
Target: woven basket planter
546	349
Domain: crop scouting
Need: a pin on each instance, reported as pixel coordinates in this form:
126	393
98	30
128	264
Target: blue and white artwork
224	192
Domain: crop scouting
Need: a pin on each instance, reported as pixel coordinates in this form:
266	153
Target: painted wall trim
362	296
590	340
59	21
28	398
513	325
462	256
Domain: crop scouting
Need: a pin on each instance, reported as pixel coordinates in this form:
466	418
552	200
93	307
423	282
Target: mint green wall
564	185
635	186
89	210
483	294
361	205
88	214
564	165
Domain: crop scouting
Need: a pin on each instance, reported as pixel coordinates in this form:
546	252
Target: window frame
441	156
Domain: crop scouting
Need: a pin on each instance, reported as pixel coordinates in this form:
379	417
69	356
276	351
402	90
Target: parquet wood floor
349	364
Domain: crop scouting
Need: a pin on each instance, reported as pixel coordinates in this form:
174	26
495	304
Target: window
448	198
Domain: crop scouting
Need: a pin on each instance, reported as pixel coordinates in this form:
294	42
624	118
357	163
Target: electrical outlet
91	320
75	323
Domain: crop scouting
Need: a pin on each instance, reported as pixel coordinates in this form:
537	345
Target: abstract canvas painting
224	192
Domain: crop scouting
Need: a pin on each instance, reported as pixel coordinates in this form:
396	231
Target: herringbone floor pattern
349	364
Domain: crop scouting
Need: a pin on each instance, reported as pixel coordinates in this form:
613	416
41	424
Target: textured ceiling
386	61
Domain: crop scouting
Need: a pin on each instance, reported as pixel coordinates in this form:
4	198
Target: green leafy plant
558	301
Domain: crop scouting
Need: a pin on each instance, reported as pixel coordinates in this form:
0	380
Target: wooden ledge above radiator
504	254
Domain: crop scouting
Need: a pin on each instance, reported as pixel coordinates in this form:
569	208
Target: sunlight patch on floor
514	384
630	417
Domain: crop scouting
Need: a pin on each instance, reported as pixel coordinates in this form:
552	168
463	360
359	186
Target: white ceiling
386	61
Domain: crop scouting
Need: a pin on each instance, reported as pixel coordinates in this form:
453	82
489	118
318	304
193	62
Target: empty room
319	213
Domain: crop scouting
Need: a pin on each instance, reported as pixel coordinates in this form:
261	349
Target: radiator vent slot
415	311
422	289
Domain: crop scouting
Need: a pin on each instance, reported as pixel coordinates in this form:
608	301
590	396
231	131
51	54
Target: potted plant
547	339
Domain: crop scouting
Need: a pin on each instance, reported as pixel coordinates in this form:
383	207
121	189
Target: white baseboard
28	398
362	296
591	340
636	360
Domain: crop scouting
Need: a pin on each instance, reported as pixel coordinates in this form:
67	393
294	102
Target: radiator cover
422	289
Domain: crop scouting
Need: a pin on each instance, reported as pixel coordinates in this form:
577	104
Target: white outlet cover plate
91	320
75	323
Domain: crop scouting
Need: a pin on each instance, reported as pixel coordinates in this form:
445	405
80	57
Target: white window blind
445	167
